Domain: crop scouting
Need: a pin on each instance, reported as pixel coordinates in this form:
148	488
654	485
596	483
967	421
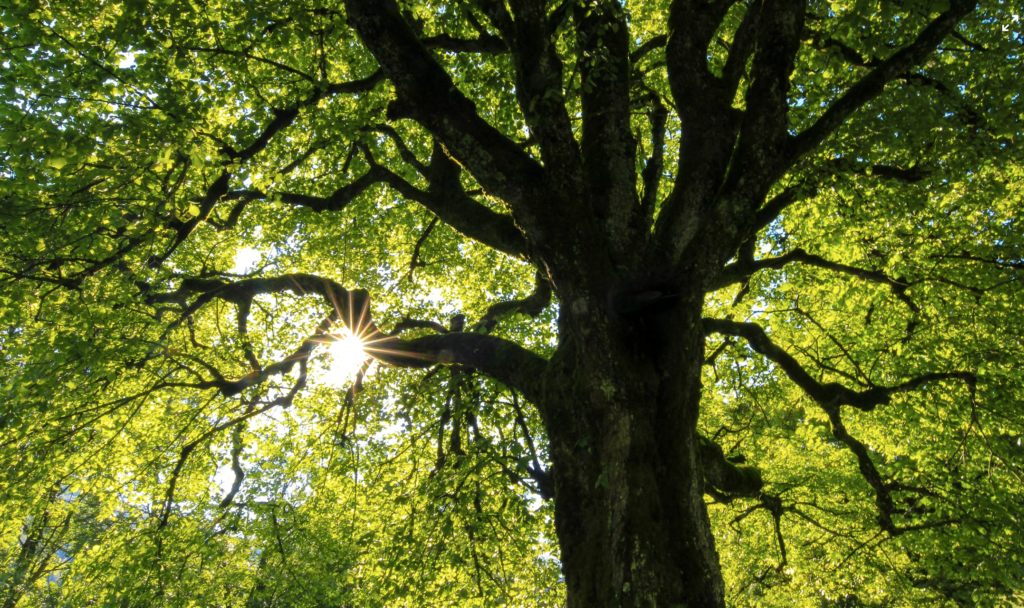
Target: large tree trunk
622	404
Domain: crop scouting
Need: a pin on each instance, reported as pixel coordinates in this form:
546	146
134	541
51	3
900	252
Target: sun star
347	357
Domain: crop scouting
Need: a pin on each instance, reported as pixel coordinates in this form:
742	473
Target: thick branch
741	48
183	229
778	40
607	142
910	175
540	95
416	262
533	305
285	117
726	476
655	164
427	94
500	359
447	200
709	123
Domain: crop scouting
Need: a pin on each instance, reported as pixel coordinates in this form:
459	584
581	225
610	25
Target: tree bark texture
622	402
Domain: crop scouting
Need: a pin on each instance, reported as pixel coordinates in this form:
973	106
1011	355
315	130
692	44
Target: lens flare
347	356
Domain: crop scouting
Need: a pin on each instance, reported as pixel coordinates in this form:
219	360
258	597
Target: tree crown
195	197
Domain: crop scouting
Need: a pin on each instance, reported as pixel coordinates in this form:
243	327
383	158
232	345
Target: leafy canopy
194	195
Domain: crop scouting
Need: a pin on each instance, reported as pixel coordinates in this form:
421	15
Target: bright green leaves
415	490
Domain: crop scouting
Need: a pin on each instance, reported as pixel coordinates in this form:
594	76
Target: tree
724	298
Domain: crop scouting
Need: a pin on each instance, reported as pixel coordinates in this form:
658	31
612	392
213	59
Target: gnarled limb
214	192
533	305
498	358
830	397
501	359
724	476
829	394
427	95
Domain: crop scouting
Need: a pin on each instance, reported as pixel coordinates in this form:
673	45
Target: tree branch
447	200
874	82
772	209
725	476
336	201
498	358
765	122
830	395
607	143
910	175
709	123
541	98
533	305
742	270
415	262
219	188
501	359
244	55
487	44
403	150
426	94
645	48
742	48
655	164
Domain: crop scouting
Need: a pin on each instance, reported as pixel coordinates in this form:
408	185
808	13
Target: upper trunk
622	402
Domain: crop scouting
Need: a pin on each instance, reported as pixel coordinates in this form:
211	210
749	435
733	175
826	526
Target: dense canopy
662	302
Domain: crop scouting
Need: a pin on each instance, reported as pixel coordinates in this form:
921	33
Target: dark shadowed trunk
623	399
